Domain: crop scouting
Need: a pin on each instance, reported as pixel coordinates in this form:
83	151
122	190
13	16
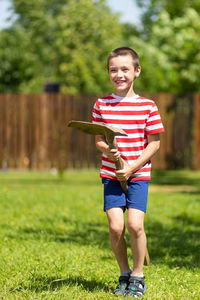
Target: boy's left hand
124	174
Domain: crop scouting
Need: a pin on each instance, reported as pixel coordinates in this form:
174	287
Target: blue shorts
115	197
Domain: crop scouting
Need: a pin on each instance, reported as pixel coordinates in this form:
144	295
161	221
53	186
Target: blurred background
53	67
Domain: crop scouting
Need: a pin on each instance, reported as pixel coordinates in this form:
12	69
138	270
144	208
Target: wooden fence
34	132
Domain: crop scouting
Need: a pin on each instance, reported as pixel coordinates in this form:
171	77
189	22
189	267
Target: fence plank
8	129
159	159
22	127
44	132
196	131
68	117
15	136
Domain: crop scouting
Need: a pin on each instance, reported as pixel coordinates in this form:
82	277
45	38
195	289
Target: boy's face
122	74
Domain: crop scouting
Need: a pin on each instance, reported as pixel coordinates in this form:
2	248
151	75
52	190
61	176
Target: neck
129	92
125	94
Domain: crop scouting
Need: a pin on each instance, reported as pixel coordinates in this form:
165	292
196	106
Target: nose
119	73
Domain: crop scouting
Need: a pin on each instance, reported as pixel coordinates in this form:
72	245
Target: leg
135	226
117	229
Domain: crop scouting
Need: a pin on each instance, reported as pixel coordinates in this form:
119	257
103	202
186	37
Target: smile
120	82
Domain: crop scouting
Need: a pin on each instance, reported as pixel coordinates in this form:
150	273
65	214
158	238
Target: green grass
55	242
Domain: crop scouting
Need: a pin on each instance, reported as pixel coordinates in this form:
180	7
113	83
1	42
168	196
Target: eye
113	70
125	69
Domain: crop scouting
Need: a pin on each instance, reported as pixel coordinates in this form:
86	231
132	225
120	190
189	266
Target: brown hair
124	51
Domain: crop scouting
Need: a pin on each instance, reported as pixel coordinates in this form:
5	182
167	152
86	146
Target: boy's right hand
112	154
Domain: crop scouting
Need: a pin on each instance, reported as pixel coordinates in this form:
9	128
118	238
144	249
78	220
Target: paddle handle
118	163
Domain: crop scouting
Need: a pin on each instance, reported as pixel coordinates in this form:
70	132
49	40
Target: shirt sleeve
154	124
96	114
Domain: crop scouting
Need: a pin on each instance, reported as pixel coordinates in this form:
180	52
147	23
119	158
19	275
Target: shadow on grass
39	283
82	233
176	244
178	177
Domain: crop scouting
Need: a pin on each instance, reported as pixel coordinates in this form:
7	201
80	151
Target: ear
137	72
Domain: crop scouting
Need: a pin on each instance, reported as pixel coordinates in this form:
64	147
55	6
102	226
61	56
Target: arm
151	149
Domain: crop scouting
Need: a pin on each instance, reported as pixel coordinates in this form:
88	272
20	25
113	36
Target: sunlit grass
55	242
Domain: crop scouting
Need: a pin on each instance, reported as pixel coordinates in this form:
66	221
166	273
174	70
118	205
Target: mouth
120	82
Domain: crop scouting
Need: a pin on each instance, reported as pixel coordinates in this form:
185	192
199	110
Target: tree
59	40
170	59
178	39
152	8
16	64
155	67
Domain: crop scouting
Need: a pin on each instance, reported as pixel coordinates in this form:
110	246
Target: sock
138	275
127	273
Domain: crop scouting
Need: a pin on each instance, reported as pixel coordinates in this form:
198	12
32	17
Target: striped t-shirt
138	117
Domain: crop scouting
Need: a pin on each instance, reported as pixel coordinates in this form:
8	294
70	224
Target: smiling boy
140	119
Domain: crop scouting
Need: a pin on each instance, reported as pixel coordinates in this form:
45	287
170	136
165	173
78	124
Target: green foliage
62	41
84	41
170	57
178	39
55	243
16	64
155	73
169	48
152	8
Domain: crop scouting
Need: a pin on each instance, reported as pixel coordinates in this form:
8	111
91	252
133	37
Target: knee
117	231
135	229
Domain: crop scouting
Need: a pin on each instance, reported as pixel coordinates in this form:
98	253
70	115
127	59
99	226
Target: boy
140	119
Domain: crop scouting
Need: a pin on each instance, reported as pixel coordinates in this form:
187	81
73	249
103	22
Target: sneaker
122	286
136	288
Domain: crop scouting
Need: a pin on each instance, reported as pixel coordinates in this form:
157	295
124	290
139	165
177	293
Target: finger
119	172
113	151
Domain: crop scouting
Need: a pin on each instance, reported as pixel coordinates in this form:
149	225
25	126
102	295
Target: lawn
55	242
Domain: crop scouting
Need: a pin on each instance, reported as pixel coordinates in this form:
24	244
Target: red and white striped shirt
138	117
